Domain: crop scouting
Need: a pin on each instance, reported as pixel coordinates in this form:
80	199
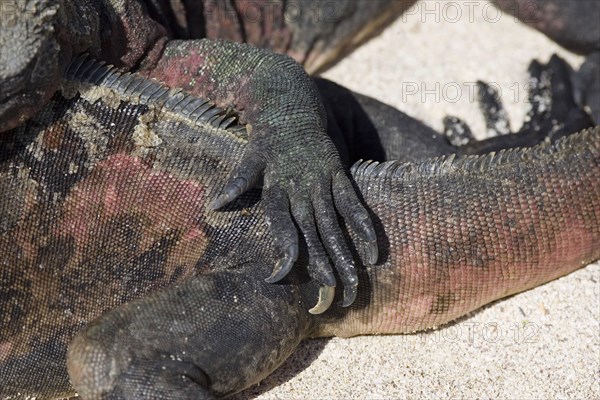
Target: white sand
544	343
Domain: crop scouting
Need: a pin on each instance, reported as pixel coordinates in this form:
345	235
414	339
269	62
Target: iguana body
91	231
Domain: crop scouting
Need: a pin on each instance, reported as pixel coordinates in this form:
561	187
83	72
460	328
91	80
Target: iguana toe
284	265
349	295
494	113
243	178
356	216
283	230
457	131
319	267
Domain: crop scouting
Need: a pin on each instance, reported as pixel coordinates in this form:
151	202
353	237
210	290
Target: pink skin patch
193	71
467	287
122	185
182	72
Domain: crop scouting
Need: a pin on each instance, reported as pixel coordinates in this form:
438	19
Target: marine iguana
183	312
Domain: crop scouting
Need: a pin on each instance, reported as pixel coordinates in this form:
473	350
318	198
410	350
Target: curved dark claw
355	215
372	252
243	178
326	294
284	265
349	295
283	230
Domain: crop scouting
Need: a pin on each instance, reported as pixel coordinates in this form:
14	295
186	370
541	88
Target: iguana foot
458	132
553	112
304	180
311	199
295	191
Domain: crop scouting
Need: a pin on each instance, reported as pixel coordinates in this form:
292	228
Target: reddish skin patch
193	71
181	72
123	185
55	136
445	264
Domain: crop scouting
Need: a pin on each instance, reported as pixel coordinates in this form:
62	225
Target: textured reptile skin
104	201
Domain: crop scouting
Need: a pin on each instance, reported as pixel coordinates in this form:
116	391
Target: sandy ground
544	343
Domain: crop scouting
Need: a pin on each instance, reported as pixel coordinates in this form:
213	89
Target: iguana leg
210	336
288	144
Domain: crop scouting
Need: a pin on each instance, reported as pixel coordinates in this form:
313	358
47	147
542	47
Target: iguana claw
372	252
326	294
350	207
349	295
242	179
284	265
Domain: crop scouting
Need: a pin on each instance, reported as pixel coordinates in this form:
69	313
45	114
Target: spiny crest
150	92
587	140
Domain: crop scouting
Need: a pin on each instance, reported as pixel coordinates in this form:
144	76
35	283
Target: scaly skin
91	233
273	94
466	235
